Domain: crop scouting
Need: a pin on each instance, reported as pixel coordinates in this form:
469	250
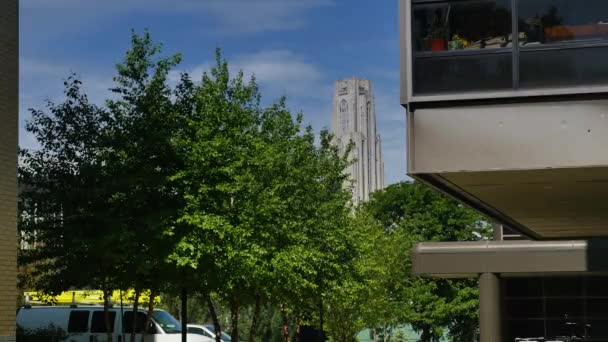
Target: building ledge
509	258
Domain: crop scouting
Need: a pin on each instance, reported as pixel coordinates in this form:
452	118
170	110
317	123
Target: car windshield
169	324
225	337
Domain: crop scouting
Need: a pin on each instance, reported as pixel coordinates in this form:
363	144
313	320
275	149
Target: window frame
409	55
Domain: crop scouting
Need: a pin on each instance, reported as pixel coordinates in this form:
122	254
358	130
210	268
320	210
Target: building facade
507	111
354	121
8	166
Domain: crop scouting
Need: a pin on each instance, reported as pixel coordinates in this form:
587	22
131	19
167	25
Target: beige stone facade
8	165
354	120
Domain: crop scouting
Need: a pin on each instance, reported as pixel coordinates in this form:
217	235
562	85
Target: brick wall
8	166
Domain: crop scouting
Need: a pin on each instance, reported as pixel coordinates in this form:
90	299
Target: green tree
64	201
413	212
98	191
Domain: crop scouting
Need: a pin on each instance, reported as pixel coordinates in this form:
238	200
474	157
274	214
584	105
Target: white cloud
228	16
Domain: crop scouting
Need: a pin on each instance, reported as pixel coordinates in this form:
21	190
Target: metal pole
184	298
490	320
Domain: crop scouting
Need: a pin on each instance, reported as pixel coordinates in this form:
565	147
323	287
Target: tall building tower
354	120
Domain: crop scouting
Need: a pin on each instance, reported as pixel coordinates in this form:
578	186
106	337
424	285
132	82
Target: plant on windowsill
439	31
458	43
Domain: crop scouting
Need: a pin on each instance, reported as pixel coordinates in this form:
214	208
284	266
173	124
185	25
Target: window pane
561	308
525	328
525	308
598	328
562	327
462	25
524	287
597	308
462	73
564	287
128	322
555	21
556	68
79	322
98	323
597	286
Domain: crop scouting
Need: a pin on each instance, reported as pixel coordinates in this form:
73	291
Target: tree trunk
298	329
426	335
385	334
106	314
135	311
216	322
374	335
256	317
285	323
234	317
148	315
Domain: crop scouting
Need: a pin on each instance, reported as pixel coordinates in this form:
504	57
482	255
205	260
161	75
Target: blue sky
296	48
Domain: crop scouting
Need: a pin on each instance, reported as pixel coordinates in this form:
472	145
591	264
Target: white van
87	324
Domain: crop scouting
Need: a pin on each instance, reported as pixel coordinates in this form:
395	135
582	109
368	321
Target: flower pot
438	44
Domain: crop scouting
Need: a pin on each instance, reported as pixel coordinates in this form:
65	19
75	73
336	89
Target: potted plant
438	31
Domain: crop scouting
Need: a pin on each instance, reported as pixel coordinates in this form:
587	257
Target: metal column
490	311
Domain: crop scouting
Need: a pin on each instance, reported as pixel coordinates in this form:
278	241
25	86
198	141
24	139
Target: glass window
525	308
564	287
462	25
444	74
597	286
524	287
555	68
597	308
561	308
344	117
525	328
199	331
79	322
562	21
98	323
167	322
128	322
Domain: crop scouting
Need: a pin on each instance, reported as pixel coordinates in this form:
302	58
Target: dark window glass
524	287
598	328
462	73
199	331
98	323
563	287
561	308
128	322
597	308
563	327
554	68
597	286
462	25
525	328
524	308
79	322
562	21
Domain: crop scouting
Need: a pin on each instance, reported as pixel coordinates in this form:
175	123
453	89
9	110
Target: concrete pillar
490	311
9	76
498	232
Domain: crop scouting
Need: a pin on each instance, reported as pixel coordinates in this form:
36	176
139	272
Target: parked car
87	324
207	330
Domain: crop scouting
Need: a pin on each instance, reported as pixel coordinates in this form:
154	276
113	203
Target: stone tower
354	120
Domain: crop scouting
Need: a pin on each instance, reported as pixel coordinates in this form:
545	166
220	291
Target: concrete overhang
510	258
540	168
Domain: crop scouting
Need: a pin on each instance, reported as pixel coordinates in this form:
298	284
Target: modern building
354	121
507	111
8	166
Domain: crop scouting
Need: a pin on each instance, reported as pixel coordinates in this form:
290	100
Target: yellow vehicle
88	297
